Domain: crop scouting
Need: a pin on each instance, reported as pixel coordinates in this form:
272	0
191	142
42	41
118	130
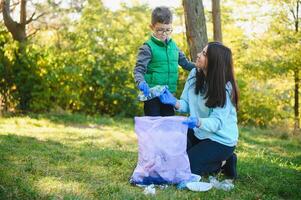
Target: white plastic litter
199	186
225	185
150	190
193	178
153	93
163	187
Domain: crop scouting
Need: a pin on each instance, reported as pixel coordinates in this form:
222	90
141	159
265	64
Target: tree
23	69
288	27
195	22
25	77
17	29
295	12
216	18
279	49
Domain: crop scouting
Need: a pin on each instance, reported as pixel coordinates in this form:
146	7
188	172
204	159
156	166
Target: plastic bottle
225	185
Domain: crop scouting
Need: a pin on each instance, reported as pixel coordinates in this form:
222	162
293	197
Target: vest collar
159	42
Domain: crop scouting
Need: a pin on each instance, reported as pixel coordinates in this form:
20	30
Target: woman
210	96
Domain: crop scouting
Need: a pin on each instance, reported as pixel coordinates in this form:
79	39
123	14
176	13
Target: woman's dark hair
219	72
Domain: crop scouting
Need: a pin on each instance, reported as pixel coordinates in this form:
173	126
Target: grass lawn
80	157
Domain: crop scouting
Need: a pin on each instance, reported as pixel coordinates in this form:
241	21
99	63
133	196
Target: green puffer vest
163	68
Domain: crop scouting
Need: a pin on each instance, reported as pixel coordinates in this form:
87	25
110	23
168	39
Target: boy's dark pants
154	107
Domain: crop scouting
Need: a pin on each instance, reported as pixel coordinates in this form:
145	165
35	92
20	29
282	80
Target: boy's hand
192	122
168	98
143	86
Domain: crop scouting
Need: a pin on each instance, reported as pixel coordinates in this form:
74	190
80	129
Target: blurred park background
68	97
78	56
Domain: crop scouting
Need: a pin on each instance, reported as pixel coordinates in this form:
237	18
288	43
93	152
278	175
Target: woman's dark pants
206	156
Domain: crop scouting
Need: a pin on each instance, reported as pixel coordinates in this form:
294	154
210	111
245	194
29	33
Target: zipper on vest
167	64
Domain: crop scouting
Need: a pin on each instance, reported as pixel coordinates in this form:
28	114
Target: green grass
80	157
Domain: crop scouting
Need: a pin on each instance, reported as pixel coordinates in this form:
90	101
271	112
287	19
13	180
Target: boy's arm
184	63
143	58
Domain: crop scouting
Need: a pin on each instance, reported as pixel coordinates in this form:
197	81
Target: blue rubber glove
143	86
168	98
192	122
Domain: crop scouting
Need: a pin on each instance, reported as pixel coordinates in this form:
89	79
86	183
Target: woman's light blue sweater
218	124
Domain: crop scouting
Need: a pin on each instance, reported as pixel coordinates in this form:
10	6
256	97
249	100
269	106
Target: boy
157	62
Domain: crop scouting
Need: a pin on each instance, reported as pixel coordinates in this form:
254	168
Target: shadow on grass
33	169
265	178
271	165
273	146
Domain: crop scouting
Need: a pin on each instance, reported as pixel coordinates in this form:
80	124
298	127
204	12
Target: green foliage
264	103
21	78
85	63
110	57
97	59
263	63
268	64
6	58
86	67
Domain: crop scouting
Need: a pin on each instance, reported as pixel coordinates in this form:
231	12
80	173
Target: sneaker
229	169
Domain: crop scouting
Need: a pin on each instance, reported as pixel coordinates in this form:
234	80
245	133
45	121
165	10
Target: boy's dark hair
219	72
162	15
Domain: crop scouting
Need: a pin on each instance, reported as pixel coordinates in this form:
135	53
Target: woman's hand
168	98
192	122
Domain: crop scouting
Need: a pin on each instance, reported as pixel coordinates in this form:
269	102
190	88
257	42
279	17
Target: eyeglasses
162	31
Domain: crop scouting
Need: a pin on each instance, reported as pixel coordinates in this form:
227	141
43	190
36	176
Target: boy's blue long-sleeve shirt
217	124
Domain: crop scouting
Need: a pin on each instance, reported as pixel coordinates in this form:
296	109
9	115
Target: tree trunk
1	106
196	30
217	25
23	13
297	79
296	106
18	30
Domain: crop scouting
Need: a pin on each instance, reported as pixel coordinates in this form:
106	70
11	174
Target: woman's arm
182	104
217	117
